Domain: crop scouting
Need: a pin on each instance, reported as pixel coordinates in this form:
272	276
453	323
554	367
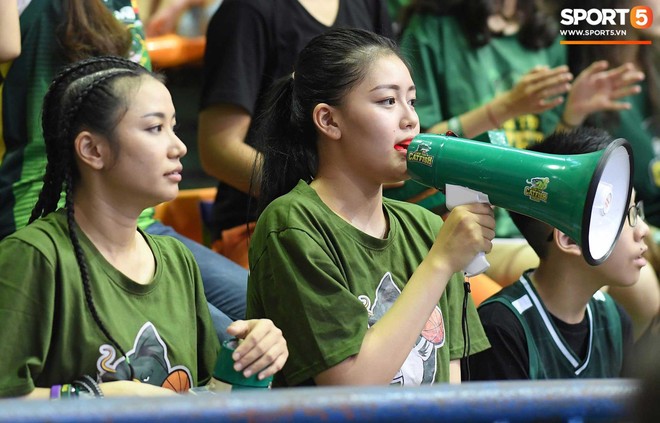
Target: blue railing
513	401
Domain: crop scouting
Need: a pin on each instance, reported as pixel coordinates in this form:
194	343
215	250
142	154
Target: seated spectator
85	295
54	34
555	321
367	290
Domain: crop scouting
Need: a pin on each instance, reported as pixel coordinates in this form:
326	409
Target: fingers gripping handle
457	196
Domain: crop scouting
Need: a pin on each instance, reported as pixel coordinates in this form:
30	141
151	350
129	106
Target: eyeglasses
635	213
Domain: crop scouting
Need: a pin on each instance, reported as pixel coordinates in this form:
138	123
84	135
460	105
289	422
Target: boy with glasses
555	321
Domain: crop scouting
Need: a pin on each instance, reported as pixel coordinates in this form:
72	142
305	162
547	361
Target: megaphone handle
477	266
457	195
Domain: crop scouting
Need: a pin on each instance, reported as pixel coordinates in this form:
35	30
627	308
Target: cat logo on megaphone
421	155
536	189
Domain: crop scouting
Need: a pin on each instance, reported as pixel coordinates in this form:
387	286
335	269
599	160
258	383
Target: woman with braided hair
85	295
54	34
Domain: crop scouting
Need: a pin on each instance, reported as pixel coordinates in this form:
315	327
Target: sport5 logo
640	17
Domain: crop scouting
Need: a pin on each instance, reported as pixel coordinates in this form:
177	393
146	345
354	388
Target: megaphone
584	195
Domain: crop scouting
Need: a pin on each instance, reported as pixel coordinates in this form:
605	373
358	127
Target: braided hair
85	95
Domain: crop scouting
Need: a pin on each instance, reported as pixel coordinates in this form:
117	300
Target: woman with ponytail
89	303
366	290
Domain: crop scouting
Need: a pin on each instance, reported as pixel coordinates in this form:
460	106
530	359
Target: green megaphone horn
583	195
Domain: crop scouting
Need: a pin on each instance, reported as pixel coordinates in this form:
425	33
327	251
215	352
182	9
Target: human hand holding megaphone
457	195
583	195
466	236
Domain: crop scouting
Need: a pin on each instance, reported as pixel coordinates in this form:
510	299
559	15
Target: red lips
403	146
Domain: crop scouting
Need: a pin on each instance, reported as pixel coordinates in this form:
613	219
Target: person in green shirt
89	302
55	33
366	290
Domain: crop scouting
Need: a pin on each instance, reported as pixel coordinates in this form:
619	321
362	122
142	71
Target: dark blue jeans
225	282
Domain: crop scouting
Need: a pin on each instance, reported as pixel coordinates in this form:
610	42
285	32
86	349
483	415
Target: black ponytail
326	69
287	157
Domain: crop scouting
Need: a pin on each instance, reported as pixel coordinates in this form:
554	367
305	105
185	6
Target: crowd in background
320	253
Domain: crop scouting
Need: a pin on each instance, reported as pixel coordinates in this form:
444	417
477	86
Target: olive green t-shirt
48	333
324	283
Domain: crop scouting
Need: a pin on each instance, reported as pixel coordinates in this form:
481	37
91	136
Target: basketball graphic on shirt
434	329
421	365
177	381
149	362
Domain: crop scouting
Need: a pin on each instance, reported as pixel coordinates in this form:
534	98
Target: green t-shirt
453	78
50	337
23	165
324	283
550	355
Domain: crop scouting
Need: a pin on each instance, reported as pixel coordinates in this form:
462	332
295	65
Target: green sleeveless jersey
550	356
